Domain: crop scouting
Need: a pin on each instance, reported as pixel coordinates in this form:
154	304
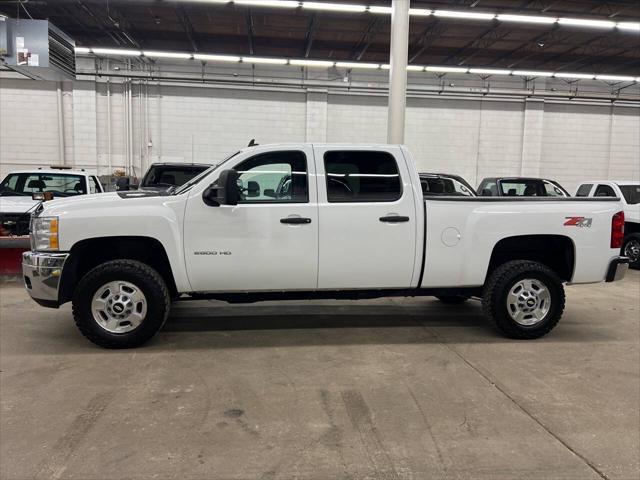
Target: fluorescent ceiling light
573	75
489	71
385	66
420	12
467	15
447	69
156	54
527	73
632	26
615	78
372	66
215	58
116	51
311	63
386	10
338	7
274	61
526	18
82	50
269	3
581	22
415	68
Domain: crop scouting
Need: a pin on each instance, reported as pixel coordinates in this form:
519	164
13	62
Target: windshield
631	193
171	175
196	179
26	184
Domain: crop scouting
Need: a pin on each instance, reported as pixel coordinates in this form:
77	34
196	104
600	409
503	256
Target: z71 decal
582	222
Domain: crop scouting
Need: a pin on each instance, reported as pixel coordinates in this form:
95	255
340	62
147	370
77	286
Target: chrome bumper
42	273
617	269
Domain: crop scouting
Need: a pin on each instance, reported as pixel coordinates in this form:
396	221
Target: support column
398	70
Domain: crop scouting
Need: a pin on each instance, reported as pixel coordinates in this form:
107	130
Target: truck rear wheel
525	299
631	249
121	304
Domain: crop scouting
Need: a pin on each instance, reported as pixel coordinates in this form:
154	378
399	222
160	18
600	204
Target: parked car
445	184
163	176
353	224
629	194
17	189
520	187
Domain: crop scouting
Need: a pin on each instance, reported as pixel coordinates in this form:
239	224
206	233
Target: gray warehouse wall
472	136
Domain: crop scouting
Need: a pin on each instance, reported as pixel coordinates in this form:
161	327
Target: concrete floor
393	389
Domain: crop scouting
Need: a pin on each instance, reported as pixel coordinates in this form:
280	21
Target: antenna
252	143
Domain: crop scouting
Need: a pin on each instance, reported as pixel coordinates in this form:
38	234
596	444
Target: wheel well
555	251
90	253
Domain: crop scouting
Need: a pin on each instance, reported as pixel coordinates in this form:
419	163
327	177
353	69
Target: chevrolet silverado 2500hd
302	221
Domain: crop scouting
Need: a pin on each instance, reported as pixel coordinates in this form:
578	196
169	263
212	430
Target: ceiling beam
427	37
249	21
187	26
310	35
483	41
373	28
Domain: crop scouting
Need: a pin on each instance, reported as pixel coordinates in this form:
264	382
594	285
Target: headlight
44	233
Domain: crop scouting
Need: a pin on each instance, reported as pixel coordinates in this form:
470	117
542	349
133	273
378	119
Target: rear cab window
605	191
584	190
362	176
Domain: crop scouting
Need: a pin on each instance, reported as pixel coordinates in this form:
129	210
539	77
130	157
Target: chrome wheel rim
632	250
528	301
119	307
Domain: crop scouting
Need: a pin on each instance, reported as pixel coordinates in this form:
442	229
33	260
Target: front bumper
42	273
617	269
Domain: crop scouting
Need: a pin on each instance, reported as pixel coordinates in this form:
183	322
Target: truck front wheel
525	299
121	304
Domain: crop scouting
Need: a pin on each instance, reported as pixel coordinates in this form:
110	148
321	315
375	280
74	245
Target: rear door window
361	176
584	190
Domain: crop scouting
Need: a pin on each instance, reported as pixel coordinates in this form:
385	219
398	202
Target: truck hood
16	204
101	202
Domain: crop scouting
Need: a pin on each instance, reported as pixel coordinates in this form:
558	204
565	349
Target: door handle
394	219
295	220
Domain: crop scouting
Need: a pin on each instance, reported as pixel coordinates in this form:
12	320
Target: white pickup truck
17	190
302	221
629	193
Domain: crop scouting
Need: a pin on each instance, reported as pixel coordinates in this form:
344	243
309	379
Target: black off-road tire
453	299
146	279
496	290
633	237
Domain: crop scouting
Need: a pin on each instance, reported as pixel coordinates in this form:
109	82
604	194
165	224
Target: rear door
367	218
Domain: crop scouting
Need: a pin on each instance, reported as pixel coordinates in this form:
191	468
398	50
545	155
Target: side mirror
223	191
270	192
42	196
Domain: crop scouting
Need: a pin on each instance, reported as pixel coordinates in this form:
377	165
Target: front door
368	219
269	241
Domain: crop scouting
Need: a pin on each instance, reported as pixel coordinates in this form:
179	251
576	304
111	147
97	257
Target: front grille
14	224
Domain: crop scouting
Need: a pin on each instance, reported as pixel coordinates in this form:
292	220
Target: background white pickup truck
315	221
629	194
17	188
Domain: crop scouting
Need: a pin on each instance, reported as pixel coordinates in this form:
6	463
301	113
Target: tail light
617	230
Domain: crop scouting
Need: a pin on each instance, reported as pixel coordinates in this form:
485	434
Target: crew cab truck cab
352	223
629	194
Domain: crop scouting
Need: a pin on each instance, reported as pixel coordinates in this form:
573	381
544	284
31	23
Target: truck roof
52	171
617	182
